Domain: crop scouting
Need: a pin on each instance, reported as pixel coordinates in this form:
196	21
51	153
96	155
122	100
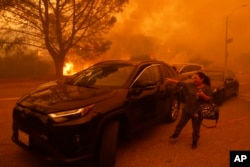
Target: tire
221	98
174	110
108	145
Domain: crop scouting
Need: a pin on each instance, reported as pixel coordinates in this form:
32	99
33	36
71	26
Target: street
151	147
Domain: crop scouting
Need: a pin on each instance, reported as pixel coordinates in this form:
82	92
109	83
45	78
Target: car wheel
221	98
108	145
174	110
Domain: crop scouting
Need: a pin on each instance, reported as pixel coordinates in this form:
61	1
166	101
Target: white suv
186	70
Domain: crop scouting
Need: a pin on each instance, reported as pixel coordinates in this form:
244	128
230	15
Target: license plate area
23	137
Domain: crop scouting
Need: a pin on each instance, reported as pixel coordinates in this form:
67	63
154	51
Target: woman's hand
201	94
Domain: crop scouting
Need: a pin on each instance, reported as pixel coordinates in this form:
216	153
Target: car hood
53	96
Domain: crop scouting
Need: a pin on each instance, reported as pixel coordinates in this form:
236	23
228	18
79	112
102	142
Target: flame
68	68
71	67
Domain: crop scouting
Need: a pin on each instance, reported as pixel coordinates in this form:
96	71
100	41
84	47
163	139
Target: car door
229	84
167	91
142	98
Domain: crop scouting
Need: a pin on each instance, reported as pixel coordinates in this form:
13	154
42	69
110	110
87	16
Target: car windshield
103	75
178	66
214	75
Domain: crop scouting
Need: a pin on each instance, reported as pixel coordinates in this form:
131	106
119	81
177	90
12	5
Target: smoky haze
184	31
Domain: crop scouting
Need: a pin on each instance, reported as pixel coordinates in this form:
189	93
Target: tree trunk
59	63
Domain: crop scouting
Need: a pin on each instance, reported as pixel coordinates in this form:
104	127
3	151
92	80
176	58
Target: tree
5	3
59	25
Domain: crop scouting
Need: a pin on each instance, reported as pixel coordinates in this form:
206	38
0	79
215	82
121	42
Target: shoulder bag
209	111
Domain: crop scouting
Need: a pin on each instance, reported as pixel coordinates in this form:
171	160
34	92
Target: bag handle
212	126
216	120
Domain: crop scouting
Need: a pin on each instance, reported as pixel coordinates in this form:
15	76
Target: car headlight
70	114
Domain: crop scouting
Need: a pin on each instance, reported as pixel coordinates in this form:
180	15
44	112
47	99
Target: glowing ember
68	68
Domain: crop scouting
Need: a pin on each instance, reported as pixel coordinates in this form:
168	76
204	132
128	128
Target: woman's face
197	80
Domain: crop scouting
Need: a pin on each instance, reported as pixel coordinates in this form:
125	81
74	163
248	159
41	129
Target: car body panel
65	118
224	85
65	96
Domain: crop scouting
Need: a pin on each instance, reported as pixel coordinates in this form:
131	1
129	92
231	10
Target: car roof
132	62
215	70
187	64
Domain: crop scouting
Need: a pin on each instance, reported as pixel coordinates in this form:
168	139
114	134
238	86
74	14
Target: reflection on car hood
54	96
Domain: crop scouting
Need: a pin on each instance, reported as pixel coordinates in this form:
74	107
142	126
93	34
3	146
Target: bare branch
61	24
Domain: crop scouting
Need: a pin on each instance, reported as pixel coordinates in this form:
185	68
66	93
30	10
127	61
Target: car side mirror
145	85
140	86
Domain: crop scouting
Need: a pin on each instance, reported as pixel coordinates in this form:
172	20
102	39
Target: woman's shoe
173	138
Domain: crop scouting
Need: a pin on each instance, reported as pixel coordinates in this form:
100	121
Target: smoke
182	31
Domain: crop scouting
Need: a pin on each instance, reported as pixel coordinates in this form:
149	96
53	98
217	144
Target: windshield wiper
90	86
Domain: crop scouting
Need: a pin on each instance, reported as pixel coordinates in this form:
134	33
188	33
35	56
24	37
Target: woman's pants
196	124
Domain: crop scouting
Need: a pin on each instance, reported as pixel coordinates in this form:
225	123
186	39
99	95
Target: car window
190	68
227	76
179	67
231	74
195	68
168	72
186	69
149	74
214	75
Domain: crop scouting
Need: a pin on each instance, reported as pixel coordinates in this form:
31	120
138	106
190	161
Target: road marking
11	98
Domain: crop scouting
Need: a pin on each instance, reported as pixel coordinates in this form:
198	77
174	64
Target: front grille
59	140
28	121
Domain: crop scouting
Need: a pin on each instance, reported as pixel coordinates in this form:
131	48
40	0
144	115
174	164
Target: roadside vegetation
21	65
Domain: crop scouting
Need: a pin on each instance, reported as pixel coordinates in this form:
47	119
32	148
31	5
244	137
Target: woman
196	93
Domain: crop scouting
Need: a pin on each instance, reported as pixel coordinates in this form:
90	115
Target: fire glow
72	67
68	68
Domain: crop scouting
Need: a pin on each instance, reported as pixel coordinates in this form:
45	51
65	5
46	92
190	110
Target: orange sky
182	30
